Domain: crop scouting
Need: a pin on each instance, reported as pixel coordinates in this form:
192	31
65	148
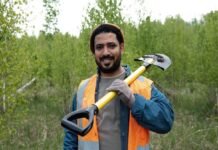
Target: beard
108	69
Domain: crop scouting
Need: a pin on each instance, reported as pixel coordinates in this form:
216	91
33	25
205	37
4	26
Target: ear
122	48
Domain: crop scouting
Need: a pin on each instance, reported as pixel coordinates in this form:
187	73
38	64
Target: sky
71	12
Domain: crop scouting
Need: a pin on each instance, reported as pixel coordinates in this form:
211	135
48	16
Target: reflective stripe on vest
87	145
138	138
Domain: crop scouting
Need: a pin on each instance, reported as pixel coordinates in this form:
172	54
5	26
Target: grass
189	132
39	129
196	121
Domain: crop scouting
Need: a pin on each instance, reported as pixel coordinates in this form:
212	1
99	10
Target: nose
106	50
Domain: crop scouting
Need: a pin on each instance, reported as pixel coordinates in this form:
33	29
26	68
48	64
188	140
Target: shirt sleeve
155	114
71	139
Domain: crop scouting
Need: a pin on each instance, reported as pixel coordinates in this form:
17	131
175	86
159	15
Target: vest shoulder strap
81	90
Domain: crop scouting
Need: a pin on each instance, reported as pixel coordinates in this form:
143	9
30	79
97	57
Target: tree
207	52
51	15
10	66
106	11
12	61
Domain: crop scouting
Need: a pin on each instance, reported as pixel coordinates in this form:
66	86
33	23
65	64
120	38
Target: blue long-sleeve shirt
156	114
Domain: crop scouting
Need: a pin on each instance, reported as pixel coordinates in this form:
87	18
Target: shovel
160	60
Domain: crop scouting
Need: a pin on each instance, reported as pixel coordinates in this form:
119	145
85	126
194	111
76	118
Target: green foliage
60	61
207	52
13	65
51	15
38	129
188	133
105	11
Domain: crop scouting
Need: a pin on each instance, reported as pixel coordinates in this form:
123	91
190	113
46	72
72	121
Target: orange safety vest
138	137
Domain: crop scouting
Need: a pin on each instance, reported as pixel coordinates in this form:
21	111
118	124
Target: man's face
108	52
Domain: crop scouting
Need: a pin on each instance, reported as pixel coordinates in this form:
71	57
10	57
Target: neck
115	73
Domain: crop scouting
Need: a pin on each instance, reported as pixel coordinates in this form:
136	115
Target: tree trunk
4	96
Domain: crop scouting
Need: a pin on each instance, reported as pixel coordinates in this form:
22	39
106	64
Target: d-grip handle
69	121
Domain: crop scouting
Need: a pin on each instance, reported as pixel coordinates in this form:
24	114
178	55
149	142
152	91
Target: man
124	123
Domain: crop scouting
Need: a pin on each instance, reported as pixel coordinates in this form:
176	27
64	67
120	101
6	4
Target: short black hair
106	27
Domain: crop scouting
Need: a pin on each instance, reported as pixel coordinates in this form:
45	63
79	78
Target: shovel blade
160	60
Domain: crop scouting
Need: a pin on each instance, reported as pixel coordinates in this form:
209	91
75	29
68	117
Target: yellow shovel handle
110	95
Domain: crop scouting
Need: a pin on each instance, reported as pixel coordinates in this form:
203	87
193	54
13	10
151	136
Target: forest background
39	75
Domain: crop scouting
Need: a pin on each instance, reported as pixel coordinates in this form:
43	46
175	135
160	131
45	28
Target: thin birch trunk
4	96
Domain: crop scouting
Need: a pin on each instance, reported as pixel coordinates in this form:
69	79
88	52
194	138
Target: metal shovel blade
160	60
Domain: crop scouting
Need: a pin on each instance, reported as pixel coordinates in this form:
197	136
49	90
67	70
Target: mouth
106	60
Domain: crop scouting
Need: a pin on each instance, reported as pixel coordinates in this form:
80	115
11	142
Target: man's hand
123	91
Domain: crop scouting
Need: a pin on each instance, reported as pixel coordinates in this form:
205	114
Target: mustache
106	57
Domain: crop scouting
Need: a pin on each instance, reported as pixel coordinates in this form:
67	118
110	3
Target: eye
99	46
111	45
